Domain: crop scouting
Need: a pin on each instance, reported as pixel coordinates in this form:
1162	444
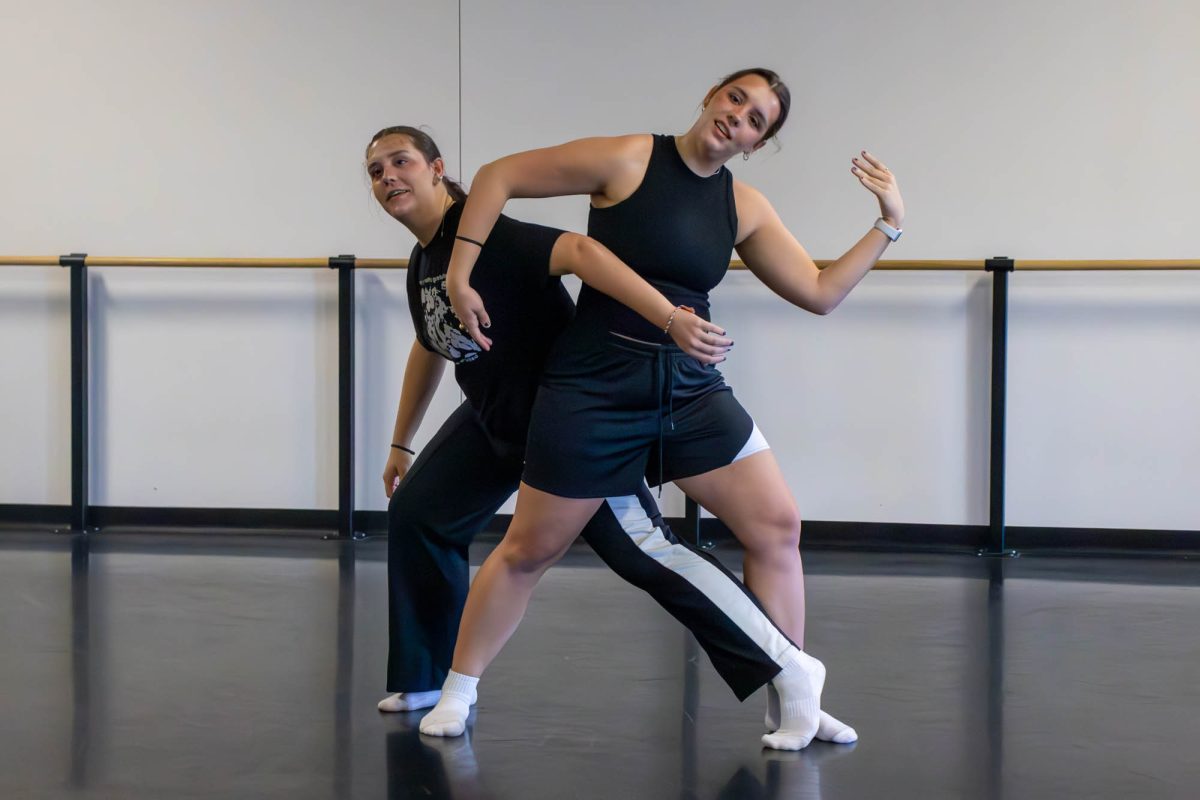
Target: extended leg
752	498
448	496
542	529
745	646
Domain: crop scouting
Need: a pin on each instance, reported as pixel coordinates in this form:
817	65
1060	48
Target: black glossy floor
138	666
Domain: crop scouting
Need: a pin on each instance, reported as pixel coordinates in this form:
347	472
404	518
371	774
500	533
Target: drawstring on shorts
664	362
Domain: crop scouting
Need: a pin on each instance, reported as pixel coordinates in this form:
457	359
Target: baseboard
232	519
820	534
11	513
1122	540
911	537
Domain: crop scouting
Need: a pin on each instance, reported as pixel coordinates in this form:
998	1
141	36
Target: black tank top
676	230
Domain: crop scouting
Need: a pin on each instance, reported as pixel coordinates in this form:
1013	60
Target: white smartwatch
888	230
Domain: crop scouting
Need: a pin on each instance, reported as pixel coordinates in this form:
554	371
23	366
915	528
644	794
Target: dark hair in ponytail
427	147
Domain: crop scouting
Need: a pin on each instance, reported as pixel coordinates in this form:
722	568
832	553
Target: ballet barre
904	265
78	263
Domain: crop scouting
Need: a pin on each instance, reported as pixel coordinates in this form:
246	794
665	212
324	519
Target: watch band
888	230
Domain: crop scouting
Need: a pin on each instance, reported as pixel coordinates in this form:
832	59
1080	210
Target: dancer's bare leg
752	498
542	529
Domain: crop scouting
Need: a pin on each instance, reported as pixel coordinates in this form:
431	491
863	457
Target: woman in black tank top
669	208
442	499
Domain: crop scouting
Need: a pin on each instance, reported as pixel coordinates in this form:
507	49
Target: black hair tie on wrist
405	449
471	241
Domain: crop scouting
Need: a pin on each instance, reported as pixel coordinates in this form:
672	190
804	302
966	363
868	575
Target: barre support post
1000	267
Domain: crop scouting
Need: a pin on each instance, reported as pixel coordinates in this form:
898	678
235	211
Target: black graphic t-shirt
528	309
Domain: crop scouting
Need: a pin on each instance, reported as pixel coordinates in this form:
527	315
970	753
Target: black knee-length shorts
614	410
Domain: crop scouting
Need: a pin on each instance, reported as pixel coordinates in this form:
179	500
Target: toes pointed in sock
786	740
409	701
832	729
448	718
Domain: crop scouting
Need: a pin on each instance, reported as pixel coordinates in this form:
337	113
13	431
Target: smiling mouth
723	130
395	192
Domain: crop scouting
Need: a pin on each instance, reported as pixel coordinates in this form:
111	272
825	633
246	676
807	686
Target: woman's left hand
468	307
879	180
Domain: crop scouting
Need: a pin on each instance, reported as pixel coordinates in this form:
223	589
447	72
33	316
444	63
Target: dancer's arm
596	266
773	254
421	379
584	166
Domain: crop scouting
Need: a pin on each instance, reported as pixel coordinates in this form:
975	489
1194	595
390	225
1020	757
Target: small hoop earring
746	156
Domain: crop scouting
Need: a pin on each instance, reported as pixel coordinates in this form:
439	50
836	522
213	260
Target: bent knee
525	551
775	529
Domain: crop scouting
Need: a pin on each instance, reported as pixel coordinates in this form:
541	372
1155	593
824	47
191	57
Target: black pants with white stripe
451	492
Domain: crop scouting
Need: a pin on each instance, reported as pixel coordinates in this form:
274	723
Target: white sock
410	701
449	716
830	729
799	685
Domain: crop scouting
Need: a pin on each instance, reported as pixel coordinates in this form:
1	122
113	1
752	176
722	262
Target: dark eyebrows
754	109
385	157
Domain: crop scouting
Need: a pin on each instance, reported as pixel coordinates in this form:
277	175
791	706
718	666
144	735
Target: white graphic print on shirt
441	326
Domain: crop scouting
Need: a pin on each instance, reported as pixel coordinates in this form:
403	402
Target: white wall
191	129
218	128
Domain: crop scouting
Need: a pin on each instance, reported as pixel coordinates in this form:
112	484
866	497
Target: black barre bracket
999	266
77	263
345	264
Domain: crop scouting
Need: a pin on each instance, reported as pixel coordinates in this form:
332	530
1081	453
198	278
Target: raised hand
701	339
879	180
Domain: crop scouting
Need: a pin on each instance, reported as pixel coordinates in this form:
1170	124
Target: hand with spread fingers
879	180
468	307
701	339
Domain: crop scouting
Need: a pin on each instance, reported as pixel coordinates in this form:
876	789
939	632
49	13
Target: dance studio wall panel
1018	129
202	129
237	129
1103	389
35	390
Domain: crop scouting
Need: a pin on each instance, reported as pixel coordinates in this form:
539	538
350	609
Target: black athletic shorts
612	411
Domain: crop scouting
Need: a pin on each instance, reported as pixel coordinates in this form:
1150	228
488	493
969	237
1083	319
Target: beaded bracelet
670	319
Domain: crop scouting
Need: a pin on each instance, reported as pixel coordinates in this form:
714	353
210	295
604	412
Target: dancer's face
401	179
737	114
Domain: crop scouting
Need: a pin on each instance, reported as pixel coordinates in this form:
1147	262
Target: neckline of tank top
677	158
674	142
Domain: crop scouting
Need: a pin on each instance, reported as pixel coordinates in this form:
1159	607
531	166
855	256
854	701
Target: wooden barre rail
1030	265
217	263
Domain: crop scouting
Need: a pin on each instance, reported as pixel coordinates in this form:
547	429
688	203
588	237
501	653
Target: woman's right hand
879	180
395	470
468	307
701	339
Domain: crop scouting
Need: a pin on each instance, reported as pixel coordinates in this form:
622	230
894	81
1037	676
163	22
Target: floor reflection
431	768
784	774
148	667
81	675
